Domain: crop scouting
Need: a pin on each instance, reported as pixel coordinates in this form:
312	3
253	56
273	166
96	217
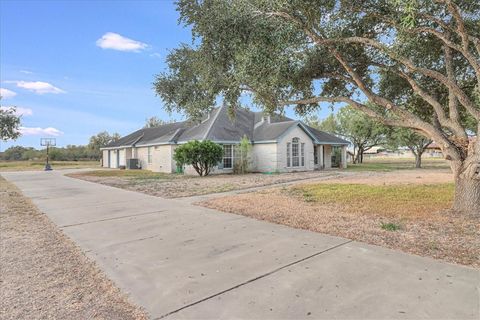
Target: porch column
320	156
344	157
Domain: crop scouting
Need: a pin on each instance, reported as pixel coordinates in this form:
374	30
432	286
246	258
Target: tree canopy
100	140
412	64
154	122
9	124
356	127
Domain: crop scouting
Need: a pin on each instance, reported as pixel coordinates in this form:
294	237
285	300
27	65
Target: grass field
398	210
40	165
391	164
402	201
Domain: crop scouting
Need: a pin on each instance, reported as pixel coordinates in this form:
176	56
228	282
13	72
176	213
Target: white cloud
5	93
155	55
115	41
26	72
28	131
19	111
38	87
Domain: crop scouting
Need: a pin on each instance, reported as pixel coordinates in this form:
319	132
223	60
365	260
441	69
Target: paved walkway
182	261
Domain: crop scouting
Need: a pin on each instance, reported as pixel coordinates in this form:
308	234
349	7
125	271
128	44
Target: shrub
390	226
242	156
201	155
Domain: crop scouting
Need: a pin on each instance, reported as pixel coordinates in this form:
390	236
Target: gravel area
44	275
431	230
176	186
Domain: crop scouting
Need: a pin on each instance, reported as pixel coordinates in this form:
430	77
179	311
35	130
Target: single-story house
279	144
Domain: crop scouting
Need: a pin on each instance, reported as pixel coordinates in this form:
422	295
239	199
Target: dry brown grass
175	186
369	214
6	166
44	275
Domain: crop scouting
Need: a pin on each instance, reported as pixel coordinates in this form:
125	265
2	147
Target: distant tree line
69	153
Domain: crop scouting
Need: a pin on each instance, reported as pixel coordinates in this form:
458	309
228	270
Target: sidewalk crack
252	280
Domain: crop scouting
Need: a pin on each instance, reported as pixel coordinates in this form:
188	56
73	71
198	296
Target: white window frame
302	154
295	153
228	157
149	155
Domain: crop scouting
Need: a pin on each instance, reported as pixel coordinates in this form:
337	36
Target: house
279	144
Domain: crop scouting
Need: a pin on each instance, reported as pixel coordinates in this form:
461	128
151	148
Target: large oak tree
377	56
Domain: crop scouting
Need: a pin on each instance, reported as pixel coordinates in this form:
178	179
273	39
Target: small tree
154	122
242	156
201	155
100	140
363	132
402	137
9	124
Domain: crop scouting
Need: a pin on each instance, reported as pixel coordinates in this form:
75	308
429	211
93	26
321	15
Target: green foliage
154	122
202	155
329	124
101	140
362	131
390	226
9	124
301	52
242	156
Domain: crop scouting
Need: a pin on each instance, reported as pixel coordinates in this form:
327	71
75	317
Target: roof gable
219	126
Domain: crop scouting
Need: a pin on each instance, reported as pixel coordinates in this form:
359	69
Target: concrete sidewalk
182	261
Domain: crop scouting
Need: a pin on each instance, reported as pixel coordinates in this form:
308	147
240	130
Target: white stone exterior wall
105	158
264	157
162	158
296	132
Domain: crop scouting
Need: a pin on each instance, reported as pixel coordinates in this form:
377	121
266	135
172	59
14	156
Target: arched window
295	153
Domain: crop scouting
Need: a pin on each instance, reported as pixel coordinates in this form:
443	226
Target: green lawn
405	200
40	165
391	164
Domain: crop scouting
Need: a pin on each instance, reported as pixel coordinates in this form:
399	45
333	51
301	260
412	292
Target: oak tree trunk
467	185
467	195
418	160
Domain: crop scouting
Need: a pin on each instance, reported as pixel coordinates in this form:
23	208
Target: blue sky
75	68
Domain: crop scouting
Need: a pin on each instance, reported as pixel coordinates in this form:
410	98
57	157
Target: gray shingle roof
161	134
220	127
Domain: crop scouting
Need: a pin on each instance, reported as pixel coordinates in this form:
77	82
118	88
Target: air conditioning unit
133	164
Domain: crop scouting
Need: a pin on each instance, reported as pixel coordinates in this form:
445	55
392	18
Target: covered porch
327	156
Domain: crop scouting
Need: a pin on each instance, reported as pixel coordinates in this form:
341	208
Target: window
227	156
149	155
295	153
302	154
315	154
288	154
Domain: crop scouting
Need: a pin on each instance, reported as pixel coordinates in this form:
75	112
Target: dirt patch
428	230
44	275
185	186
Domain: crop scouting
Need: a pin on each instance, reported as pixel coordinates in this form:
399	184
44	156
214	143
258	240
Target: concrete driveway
182	261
